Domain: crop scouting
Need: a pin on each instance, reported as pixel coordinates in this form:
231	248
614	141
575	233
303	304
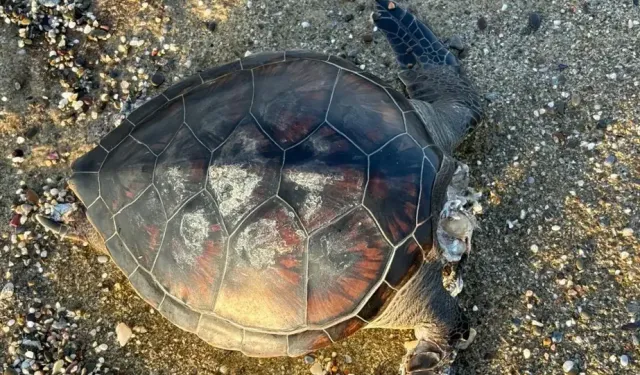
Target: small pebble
212	25
367	38
309	359
627	232
526	353
316	369
157	79
535	20
223	369
568	367
482	23
305	24
123	333
348	359
103	259
610	160
555	228
624	360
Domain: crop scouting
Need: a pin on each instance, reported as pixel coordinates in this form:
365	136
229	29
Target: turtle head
73	226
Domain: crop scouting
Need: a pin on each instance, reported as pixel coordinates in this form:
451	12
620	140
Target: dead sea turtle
279	203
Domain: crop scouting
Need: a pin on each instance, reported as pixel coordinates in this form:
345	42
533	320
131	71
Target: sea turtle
279	203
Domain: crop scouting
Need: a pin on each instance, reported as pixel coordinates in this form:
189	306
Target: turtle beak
62	230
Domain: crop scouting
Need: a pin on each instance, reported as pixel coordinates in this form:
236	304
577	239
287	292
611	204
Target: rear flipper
431	74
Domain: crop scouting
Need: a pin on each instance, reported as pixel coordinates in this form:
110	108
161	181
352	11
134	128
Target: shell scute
364	112
256	344
100	216
147	287
146	109
86	185
117	135
91	161
262	58
127	171
220	333
323	177
263	285
181	170
121	255
307	341
346	259
219	71
192	257
378	301
157	131
406	261
245	171
214	109
289	109
141	226
394	187
179	314
183	86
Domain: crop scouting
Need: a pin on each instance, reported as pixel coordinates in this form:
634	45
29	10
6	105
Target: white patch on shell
313	183
260	243
173	179
194	230
234	185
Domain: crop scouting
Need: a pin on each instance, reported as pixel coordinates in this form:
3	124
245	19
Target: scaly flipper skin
446	101
413	42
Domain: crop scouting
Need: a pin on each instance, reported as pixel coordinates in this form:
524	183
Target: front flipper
414	43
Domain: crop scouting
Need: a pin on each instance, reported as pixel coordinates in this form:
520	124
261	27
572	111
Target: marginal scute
345	64
214	109
183	86
428	181
156	131
91	161
377	302
345	328
219	71
256	344
416	129
245	171
147	109
262	58
307	341
442	180
289	109
364	112
401	100
264	282
141	227
179	314
424	235
121	255
323	177
100	216
394	187
220	333
85	186
146	286
127	171
117	135
181	170
192	258
346	259
306	54
407	260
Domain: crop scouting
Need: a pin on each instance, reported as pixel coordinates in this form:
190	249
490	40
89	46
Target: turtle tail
414	43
